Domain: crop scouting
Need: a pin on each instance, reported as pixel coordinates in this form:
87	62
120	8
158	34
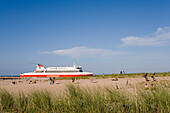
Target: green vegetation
7	101
130	75
84	100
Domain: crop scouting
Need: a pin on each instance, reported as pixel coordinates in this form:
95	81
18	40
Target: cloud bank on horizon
160	38
77	52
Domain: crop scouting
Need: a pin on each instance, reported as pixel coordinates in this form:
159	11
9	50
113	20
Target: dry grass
98	100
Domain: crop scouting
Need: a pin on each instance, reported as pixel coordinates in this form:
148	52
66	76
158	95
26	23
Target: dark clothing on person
145	76
51	80
73	79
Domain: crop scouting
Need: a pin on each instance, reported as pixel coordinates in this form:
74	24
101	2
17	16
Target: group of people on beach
32	82
147	79
147	87
122	72
52	80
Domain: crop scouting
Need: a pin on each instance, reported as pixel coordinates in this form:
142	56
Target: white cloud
77	52
160	38
159	30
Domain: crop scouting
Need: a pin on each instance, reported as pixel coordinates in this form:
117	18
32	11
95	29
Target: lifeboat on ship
41	71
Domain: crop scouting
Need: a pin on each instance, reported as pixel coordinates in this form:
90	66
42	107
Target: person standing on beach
153	76
73	79
51	80
91	78
146	77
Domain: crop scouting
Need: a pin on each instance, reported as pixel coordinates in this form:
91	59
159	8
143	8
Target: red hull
56	75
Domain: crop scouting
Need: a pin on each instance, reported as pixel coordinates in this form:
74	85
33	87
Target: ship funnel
40	67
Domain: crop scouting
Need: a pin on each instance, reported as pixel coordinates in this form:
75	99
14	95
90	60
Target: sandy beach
60	85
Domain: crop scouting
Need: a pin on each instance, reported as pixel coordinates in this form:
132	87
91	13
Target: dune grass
86	100
129	75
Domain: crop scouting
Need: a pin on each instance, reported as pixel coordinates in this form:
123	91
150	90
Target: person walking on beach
51	80
153	76
146	77
73	79
91	79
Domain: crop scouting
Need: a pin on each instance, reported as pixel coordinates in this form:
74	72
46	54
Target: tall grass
87	100
7	101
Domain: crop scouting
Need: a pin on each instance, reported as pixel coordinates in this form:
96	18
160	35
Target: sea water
9	75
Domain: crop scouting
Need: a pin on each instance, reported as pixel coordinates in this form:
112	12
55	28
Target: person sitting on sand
152	87
13	83
30	82
116	79
35	81
146	86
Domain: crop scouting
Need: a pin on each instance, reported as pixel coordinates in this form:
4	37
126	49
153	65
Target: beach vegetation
78	99
127	75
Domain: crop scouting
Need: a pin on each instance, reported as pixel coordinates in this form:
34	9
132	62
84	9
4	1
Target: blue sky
103	36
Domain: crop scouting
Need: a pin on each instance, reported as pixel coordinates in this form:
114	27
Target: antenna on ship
74	65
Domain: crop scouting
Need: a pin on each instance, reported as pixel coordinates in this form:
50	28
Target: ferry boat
41	71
